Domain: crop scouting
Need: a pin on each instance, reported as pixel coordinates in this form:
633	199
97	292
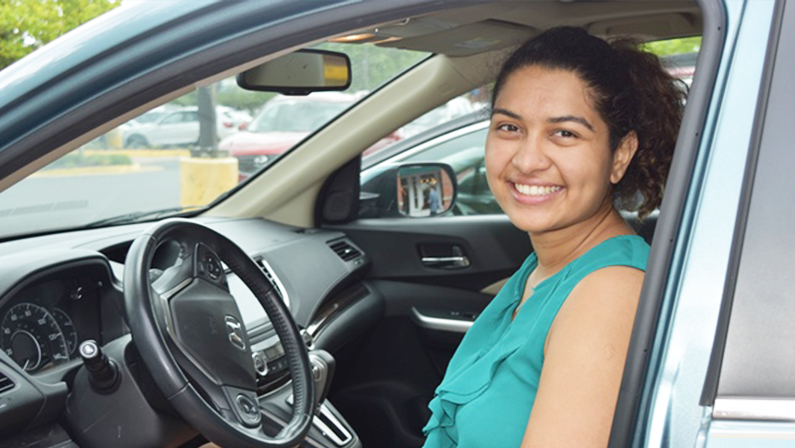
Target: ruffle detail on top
467	386
470	377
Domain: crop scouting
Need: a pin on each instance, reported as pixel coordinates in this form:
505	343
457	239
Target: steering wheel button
212	266
248	409
244	403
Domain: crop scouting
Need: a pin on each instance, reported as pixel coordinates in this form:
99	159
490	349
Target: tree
674	46
26	25
371	66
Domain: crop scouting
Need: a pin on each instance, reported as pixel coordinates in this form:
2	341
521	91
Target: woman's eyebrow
573	118
505	112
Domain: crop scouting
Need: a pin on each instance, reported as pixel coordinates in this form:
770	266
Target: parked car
188	354
286	120
282	122
233	119
178	127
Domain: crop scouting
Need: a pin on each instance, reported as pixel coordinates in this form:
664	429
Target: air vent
277	284
345	250
5	383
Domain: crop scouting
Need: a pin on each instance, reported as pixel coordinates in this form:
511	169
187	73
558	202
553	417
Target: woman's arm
583	362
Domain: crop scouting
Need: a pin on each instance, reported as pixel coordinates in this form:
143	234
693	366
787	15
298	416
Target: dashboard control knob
260	363
102	371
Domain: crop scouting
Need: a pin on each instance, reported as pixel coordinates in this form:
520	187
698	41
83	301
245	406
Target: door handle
443	256
458	262
457	323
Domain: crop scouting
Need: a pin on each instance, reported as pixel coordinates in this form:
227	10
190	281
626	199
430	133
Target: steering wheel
187	328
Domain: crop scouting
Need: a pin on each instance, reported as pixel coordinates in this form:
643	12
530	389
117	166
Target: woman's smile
532	194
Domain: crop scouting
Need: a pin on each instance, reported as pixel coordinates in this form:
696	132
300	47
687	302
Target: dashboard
59	290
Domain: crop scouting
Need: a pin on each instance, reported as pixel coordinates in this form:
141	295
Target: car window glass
174	157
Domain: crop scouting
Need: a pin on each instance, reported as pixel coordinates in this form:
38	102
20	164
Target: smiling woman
571	118
189	314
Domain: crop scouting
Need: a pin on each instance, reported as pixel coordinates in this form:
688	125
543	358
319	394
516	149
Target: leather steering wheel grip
145	313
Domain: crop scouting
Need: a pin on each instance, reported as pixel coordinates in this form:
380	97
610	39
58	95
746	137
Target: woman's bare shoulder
584	360
603	304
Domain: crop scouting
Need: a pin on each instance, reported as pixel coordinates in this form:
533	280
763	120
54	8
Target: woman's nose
530	156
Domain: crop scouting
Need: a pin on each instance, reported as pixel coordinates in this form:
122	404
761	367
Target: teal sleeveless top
491	382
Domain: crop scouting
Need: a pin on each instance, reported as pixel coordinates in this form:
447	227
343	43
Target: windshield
182	155
297	115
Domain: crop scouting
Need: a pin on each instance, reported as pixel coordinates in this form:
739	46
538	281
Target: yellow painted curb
97	170
201	180
149	153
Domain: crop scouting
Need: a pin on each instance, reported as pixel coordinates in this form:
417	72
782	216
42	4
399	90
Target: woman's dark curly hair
631	92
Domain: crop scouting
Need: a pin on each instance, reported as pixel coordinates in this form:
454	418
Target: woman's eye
507	127
565	134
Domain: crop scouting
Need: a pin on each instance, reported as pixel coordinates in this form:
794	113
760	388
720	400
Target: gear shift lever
102	371
323	365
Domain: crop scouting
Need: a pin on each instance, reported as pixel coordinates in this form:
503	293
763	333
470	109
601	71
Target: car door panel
402	359
495	248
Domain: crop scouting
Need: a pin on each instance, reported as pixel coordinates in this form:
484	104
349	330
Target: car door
750	385
185	131
177	128
680	359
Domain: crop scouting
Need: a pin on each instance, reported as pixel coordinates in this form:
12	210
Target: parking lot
31	205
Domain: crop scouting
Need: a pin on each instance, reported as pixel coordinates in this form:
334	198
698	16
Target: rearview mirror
414	190
300	73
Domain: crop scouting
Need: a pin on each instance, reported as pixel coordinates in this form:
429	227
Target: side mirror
413	190
300	73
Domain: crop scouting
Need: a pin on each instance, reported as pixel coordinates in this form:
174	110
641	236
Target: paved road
43	203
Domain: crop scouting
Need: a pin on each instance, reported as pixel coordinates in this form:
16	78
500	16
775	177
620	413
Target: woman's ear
623	156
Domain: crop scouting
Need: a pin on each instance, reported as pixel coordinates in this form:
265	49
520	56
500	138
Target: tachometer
31	337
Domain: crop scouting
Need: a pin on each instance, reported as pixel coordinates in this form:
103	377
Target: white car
179	127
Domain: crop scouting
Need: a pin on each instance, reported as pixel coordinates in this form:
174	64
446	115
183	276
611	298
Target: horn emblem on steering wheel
235	331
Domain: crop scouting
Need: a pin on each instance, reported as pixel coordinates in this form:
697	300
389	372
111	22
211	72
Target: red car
283	122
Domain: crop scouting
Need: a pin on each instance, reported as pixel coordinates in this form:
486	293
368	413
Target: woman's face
548	156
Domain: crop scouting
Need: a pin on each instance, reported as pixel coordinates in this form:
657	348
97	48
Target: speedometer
67	328
31	337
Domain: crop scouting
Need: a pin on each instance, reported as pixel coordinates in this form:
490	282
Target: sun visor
468	39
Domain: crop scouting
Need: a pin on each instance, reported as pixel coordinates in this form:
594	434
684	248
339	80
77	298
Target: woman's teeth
536	190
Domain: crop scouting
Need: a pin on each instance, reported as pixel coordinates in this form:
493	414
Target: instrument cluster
42	324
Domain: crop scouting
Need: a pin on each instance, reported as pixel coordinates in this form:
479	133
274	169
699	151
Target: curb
96	170
148	153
